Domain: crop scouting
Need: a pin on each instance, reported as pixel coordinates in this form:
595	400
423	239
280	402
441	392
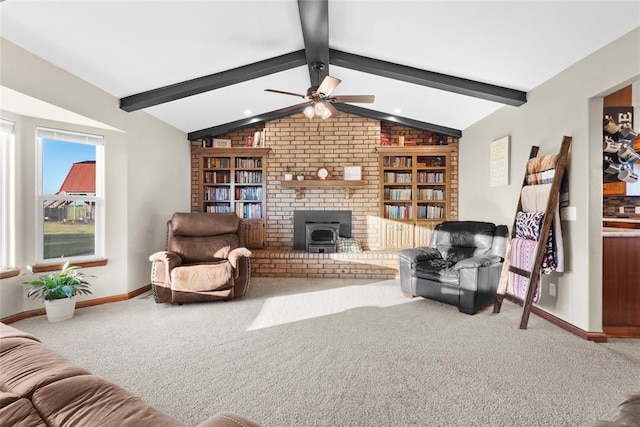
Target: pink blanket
523	254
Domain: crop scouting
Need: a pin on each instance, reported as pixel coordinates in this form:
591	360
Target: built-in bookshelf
415	183
233	180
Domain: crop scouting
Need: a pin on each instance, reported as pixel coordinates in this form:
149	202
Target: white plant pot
300	178
60	309
288	176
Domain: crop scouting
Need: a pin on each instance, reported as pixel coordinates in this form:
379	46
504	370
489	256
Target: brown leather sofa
204	259
40	388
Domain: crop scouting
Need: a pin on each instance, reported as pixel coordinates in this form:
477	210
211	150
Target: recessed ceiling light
247	112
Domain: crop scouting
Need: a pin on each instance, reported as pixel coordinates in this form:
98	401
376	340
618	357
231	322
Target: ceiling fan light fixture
319	108
309	112
326	113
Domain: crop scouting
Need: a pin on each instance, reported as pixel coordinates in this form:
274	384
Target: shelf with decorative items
415	191
301	185
233	180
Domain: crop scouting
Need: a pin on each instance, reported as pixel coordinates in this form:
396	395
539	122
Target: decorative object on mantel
352	173
617	145
221	143
288	176
322	173
318	98
300	176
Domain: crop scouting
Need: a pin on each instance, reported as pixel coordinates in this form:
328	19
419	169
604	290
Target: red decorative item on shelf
385	141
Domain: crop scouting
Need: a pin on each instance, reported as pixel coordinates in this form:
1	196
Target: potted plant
288	176
58	291
300	176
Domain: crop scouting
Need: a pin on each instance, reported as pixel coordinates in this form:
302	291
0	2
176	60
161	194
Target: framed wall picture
221	143
499	167
352	173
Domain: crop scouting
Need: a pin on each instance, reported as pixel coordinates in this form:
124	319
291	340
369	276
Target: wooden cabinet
621	285
415	193
233	180
614	188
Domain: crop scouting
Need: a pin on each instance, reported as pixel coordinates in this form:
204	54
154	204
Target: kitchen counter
620	232
614	219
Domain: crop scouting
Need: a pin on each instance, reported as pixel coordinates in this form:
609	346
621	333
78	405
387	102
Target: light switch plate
621	209
638	209
568	213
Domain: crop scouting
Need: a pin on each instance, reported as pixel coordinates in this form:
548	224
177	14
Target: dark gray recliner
461	266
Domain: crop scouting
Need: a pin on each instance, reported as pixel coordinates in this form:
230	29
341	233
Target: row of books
397	194
430	177
431	212
430	194
248	177
217	177
217	193
401	177
397	162
248	193
216	162
248	162
398	212
249	210
219	208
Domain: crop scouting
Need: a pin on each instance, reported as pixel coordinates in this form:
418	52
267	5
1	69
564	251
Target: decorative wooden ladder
552	202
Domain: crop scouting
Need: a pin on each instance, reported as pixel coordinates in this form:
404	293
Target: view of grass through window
68	174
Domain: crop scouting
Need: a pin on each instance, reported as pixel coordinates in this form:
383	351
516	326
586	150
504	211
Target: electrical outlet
552	289
568	213
621	209
637	209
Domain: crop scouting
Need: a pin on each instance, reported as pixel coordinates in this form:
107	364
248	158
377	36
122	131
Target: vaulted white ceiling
129	47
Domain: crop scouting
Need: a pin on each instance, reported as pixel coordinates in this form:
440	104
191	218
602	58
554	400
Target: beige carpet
311	352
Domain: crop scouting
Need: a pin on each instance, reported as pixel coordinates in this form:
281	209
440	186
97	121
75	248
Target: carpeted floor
312	352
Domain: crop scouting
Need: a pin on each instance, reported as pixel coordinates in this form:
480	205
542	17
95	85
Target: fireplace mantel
322	183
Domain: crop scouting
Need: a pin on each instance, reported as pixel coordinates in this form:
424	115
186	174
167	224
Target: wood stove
322	236
318	231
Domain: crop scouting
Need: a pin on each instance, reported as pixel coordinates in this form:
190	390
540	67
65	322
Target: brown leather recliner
203	260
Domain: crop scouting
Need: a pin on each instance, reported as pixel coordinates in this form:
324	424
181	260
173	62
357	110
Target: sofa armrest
477	262
162	264
419	254
235	254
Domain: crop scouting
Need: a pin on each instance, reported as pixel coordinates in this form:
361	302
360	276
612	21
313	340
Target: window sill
9	272
40	268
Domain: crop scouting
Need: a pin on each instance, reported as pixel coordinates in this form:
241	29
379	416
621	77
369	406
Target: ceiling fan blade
293	107
353	98
328	85
285	93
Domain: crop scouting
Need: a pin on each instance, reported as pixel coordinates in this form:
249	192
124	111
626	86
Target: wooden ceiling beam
314	18
213	81
417	76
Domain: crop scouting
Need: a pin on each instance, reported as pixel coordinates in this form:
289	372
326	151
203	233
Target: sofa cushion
458	240
92	401
204	224
203	249
20	413
209	276
438	270
28	365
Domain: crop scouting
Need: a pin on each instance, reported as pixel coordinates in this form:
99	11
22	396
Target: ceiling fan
318	98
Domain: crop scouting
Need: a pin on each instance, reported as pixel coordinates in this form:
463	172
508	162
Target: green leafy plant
64	284
300	173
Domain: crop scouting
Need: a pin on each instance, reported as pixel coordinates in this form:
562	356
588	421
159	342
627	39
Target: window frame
97	141
8	196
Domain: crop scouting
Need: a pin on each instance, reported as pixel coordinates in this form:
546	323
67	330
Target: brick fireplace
302	145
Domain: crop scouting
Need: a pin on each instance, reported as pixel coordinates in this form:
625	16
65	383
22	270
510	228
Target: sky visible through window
57	158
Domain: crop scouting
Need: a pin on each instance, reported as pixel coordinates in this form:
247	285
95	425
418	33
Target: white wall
568	104
147	176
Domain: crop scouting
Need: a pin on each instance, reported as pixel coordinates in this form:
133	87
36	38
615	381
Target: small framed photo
352	173
221	143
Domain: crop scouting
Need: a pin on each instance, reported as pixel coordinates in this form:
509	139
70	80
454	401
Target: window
7	197
70	201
